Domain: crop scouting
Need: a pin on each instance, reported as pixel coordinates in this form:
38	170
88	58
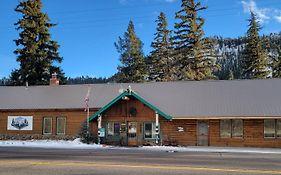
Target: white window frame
153	130
232	129
278	135
110	125
58	124
229	132
274	128
44	125
113	128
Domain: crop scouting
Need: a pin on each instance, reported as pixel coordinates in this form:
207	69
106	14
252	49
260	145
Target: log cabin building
203	113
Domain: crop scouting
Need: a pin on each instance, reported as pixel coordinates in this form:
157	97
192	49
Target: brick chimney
54	81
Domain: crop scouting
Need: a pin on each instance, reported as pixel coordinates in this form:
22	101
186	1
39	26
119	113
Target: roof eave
129	93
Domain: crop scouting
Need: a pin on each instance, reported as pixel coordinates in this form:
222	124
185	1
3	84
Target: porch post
99	128
157	127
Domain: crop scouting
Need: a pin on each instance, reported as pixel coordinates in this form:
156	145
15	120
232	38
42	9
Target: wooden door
132	133
202	133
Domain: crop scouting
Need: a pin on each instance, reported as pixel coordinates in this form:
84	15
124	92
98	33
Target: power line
136	7
210	12
126	17
133	7
126	14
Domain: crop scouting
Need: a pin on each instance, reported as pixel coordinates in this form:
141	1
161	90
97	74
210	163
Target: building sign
101	132
24	123
180	129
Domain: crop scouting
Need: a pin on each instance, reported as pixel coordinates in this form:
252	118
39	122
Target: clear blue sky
87	29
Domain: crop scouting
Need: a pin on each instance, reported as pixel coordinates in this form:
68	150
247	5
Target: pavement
121	161
215	149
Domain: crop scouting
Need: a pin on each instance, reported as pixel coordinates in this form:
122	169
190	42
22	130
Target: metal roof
177	99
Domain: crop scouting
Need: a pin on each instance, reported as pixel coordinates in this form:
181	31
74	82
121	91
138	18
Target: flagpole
88	122
88	112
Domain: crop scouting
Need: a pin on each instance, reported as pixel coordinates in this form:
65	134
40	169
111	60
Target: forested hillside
230	51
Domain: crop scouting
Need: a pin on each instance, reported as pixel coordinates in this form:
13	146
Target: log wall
177	132
253	135
74	120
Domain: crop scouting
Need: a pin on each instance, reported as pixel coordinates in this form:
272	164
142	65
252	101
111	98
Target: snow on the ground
48	144
76	144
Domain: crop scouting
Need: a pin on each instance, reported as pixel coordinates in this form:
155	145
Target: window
278	128
113	129
225	128
269	128
116	128
61	121
110	130
47	125
272	128
231	128
149	131
237	128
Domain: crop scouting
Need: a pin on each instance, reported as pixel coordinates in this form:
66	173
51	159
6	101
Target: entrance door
203	133
132	134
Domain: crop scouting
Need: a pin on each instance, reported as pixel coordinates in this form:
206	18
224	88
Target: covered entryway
203	133
129	120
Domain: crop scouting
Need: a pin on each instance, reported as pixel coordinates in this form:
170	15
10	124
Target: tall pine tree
132	68
160	61
255	57
195	56
36	52
276	64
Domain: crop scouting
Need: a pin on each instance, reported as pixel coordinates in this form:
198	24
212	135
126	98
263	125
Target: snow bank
48	144
77	144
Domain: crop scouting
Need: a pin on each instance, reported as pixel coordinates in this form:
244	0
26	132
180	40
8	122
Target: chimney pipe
54	81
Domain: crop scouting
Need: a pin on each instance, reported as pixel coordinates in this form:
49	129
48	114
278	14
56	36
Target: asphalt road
37	161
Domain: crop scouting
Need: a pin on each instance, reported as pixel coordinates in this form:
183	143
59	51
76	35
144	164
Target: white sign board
23	123
180	129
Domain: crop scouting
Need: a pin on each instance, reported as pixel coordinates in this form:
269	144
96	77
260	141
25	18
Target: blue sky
87	29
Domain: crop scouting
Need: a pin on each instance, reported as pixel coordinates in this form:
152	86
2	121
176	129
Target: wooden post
157	127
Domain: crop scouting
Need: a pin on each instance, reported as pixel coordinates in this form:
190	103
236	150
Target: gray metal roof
178	99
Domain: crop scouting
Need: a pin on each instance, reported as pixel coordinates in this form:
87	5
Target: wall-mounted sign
101	132
24	123
180	129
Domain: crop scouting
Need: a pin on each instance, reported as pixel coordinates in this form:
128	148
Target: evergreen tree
86	134
276	64
195	56
36	52
88	80
132	68
255	57
160	61
230	75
